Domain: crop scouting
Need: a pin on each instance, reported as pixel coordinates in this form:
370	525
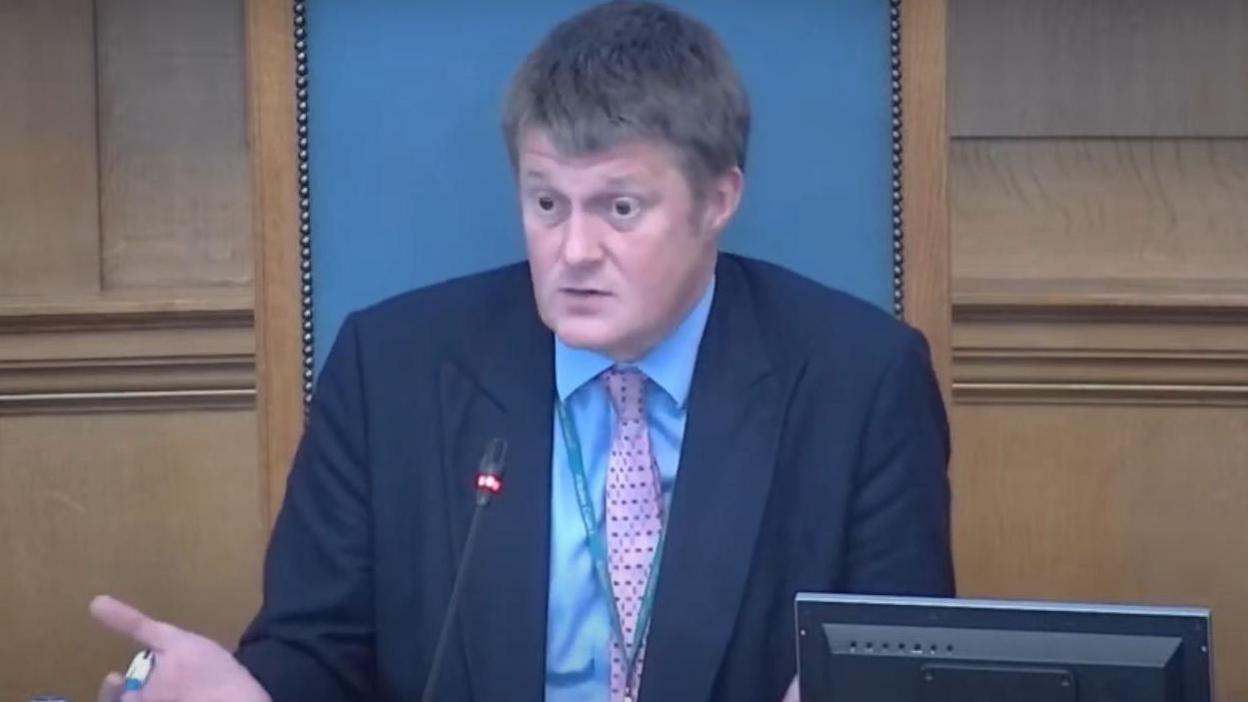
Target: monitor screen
860	648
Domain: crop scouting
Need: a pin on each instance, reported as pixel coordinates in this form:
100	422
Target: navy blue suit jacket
814	459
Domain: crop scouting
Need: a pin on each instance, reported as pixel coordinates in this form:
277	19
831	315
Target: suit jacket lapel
505	391
727	459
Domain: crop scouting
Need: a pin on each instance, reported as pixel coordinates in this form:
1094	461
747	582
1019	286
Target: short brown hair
625	70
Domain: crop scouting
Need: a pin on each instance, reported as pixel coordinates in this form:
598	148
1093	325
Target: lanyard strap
597	547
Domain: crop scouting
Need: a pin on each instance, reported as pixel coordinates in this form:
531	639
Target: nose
582	242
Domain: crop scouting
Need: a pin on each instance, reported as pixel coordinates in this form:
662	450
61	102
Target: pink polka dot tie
634	512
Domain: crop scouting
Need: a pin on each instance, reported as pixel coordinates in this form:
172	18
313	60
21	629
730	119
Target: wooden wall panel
1099	68
128	442
1116	352
175	190
49	240
279	285
1100	304
126	353
925	179
160	508
1152	209
1127	503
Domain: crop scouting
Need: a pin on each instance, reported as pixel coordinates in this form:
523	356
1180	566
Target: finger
123	619
110	688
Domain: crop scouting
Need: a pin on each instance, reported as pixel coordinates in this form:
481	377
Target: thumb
110	689
121	618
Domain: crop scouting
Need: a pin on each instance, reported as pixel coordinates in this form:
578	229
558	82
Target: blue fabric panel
410	178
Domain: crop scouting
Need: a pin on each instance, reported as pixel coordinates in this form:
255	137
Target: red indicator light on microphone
490	483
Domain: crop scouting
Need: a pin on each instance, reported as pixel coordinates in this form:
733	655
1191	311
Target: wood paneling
1099	68
279	289
136	353
175	190
925	178
1016	317
128	447
1101	304
158	508
1136	504
49	236
1109	352
1155	209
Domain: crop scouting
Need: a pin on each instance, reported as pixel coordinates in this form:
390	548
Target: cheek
654	263
541	270
541	246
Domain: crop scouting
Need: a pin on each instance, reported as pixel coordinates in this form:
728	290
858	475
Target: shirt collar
669	364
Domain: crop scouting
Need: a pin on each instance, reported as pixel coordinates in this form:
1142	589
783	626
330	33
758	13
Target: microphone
489	482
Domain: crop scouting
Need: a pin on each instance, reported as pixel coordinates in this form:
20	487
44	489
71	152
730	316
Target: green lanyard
598	548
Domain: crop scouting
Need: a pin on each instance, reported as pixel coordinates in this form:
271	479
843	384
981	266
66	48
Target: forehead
638	162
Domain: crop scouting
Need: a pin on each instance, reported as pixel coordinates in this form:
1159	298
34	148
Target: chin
585	334
579	338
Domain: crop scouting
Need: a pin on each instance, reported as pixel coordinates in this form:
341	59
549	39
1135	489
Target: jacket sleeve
899	538
313	636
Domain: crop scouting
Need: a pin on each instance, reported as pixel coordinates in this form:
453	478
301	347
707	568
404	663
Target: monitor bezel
1192	624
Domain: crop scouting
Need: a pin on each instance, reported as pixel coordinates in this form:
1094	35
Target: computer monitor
858	648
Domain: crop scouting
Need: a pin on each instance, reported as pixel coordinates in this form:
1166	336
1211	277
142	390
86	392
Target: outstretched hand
189	667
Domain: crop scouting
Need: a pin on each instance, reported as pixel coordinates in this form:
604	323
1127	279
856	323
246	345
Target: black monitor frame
991	649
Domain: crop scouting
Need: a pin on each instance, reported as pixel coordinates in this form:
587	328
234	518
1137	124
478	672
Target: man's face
618	249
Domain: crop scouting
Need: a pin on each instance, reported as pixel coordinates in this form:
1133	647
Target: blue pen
140	668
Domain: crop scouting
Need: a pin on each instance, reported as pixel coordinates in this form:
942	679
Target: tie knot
626	386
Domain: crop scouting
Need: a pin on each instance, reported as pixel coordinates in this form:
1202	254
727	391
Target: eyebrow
629	179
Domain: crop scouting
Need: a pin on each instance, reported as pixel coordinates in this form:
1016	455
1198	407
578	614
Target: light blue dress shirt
578	625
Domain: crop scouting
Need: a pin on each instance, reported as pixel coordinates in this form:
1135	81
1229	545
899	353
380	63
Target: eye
625	207
550	206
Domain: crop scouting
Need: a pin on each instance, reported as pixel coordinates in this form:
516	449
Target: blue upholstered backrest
410	182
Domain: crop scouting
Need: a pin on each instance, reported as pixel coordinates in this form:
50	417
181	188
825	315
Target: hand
189	667
791	694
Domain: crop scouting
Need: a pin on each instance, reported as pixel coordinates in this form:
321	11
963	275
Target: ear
723	196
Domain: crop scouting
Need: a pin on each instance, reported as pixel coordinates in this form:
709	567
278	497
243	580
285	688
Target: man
692	437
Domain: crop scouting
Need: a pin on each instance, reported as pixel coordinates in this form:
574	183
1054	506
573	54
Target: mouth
584	293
